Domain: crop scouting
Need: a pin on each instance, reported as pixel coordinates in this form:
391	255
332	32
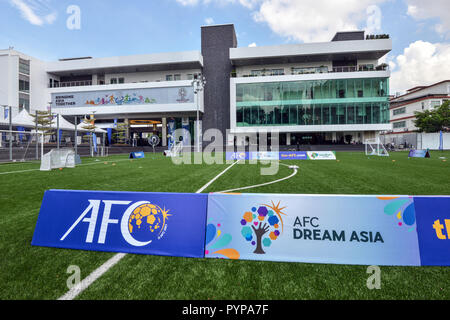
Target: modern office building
313	93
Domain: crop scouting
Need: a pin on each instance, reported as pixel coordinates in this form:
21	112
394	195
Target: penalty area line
96	274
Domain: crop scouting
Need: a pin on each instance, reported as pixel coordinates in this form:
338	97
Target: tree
433	120
43	120
258	223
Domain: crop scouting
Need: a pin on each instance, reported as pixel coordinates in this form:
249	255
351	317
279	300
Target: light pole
198	84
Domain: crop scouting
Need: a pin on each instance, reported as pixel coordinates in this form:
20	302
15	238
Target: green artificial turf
28	272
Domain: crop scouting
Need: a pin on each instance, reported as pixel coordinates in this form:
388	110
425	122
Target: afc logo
141	222
438	227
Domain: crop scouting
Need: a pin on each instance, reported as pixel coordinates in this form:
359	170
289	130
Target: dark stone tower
216	43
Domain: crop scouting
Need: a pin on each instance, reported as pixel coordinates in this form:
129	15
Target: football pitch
28	272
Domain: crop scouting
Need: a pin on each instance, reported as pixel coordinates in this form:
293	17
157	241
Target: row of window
309	70
314	89
326	114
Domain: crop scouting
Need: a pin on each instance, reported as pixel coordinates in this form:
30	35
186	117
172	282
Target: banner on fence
170	224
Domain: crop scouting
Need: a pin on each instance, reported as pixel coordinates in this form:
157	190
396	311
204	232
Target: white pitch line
295	168
85	283
79	165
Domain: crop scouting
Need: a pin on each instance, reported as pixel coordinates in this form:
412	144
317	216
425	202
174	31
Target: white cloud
422	63
36	12
252	45
246	3
209	21
422	10
317	20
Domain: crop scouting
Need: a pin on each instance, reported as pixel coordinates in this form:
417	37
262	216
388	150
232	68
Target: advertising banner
145	96
293	155
282	155
169	224
321	155
361	230
433	228
419	154
137	155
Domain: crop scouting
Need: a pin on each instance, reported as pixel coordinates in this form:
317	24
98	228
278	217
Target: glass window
256	73
435	103
239	115
189	76
169	77
399	111
340	114
177	77
121	80
400	124
277	72
24	86
113	80
24	66
350	114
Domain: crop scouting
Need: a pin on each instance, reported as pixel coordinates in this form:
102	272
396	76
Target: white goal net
58	158
374	147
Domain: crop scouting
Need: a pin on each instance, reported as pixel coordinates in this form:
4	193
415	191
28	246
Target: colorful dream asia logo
260	222
120	100
402	209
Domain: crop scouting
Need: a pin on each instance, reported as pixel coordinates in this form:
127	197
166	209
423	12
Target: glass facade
319	102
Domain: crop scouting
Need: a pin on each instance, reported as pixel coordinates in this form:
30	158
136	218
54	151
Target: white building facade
315	93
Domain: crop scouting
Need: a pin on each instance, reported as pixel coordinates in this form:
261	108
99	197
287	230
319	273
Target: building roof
416	90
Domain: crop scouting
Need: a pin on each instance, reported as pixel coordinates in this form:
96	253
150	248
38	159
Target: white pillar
164	132
288	139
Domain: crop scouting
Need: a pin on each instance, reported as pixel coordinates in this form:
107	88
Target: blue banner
419	154
169	224
361	230
433	228
293	155
109	130
137	155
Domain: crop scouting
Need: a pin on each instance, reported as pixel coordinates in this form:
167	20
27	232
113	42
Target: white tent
24	119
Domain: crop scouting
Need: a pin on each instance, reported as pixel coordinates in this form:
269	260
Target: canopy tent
96	130
24	119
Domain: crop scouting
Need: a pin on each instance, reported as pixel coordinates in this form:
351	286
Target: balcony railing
71	84
361	68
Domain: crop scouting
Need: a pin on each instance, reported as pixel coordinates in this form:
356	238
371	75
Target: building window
169	77
113	80
256	73
400	124
435	103
24	66
121	80
399	111
24	86
423	105
190	76
177	77
277	72
24	104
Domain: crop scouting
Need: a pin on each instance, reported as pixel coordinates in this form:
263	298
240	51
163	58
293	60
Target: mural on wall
172	95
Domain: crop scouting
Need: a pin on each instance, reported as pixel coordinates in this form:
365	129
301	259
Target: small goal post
374	147
58	158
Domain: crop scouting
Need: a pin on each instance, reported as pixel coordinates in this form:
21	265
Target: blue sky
420	30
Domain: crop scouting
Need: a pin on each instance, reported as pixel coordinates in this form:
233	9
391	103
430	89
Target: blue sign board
293	155
137	155
433	228
419	154
169	224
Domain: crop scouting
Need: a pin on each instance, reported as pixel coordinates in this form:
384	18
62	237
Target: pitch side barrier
335	229
282	155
